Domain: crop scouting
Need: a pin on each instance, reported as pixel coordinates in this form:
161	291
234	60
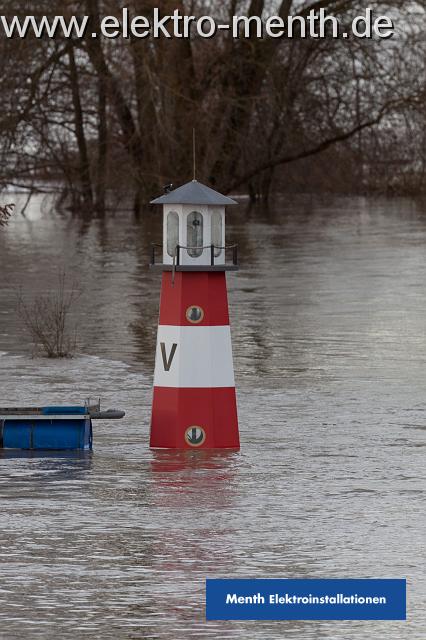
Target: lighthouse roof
193	192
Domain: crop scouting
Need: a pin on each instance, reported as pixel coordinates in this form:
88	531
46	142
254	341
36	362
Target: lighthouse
194	402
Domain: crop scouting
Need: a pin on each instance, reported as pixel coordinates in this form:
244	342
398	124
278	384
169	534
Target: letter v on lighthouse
194	403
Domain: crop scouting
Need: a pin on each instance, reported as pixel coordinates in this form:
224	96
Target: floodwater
329	334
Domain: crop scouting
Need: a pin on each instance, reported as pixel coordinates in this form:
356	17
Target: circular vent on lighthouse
195	436
194	314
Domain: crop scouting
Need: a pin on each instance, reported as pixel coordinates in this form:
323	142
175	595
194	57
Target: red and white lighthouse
194	403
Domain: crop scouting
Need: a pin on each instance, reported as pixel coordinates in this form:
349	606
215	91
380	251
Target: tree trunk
102	160
130	134
84	164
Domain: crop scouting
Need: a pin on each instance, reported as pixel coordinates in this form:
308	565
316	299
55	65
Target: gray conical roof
193	193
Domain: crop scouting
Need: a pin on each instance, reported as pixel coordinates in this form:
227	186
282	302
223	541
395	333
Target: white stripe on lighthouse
202	357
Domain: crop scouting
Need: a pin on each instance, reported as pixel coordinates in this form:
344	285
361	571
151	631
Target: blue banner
299	599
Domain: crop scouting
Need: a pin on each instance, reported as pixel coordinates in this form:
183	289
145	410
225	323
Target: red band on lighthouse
177	298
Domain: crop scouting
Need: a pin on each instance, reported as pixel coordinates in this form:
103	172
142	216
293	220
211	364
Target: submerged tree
47	318
5	213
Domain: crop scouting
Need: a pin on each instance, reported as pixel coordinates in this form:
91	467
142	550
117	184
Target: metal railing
212	247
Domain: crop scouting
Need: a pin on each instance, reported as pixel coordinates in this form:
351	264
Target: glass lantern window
217	224
194	234
172	233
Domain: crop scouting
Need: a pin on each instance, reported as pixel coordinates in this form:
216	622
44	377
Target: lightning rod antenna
193	152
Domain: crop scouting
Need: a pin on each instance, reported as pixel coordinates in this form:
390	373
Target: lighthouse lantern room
194	403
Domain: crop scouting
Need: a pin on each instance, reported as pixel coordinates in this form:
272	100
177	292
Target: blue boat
51	427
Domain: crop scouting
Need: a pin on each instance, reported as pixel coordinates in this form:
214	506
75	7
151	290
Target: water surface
328	322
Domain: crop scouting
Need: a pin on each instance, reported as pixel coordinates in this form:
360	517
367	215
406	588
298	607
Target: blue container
63	428
73	410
